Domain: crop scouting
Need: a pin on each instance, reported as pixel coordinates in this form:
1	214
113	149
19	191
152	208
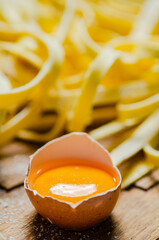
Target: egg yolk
73	183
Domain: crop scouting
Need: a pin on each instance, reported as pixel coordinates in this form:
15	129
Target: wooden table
136	216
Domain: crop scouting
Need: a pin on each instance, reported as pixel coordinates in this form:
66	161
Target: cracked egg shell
88	212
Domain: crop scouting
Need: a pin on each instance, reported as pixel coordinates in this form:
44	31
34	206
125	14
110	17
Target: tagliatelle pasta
151	150
82	65
137	169
51	66
138	139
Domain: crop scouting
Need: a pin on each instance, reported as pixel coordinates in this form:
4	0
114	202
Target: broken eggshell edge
88	212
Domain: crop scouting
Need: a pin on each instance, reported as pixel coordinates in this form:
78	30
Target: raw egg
72	182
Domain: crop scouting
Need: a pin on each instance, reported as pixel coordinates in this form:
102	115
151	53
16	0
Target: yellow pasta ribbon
136	142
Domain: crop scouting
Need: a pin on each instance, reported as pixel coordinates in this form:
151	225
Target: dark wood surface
135	217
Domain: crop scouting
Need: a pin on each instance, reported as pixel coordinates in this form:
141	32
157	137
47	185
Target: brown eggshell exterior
88	213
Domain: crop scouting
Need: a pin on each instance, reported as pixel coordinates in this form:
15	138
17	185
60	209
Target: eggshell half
86	213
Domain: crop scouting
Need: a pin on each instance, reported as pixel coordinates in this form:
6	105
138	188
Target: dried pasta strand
136	142
151	152
79	117
138	170
112	128
139	109
44	137
19	121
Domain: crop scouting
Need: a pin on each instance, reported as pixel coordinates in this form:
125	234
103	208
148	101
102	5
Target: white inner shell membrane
73	190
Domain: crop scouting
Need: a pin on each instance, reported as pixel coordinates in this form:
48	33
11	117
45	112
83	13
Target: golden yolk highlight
73	183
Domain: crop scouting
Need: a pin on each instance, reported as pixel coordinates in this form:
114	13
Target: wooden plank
17	147
14	163
148	181
13	170
135	217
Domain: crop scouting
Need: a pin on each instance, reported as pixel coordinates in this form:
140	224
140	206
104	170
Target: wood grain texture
13	170
148	181
135	217
17	147
14	159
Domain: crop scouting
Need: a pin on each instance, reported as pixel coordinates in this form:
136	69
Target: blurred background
86	65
